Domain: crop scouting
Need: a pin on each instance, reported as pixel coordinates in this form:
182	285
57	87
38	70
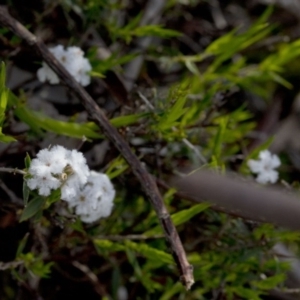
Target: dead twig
242	198
119	238
12	170
10	265
113	135
12	196
92	277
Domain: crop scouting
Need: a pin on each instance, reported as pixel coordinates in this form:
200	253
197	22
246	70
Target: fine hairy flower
95	199
90	193
73	60
264	167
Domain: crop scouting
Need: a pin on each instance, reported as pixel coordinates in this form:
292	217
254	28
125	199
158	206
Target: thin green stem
12	170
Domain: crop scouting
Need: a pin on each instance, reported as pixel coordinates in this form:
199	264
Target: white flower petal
265	166
255	166
270	176
99	195
32	183
44	191
73	60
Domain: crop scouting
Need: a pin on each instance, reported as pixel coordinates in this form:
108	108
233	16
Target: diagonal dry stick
112	134
242	198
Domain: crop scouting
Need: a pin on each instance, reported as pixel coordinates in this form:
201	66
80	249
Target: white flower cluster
265	166
73	60
94	199
90	193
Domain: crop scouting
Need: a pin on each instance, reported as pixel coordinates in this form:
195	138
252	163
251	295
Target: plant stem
113	135
12	170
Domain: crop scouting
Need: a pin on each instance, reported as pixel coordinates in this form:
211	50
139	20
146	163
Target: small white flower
44	183
265	166
95	199
45	73
79	166
49	160
89	193
73	60
58	167
77	175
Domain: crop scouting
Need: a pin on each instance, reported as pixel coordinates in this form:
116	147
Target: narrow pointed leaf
33	207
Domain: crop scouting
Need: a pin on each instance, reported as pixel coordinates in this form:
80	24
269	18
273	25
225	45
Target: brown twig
242	198
196	199
119	238
12	196
92	277
11	264
112	134
12	170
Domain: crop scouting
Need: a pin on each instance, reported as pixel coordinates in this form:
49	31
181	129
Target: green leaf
35	264
22	245
181	217
134	29
218	141
170	118
54	197
120	121
33	207
97	74
177	110
269	282
279	79
41	269
186	214
38	121
156	30
172	291
192	67
37	217
226	46
150	252
2	76
3	103
3	93
6	138
27	161
125	32
142	248
246	293
100	67
108	246
217	46
3	100
77	225
127	120
116	167
142	275
26	192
